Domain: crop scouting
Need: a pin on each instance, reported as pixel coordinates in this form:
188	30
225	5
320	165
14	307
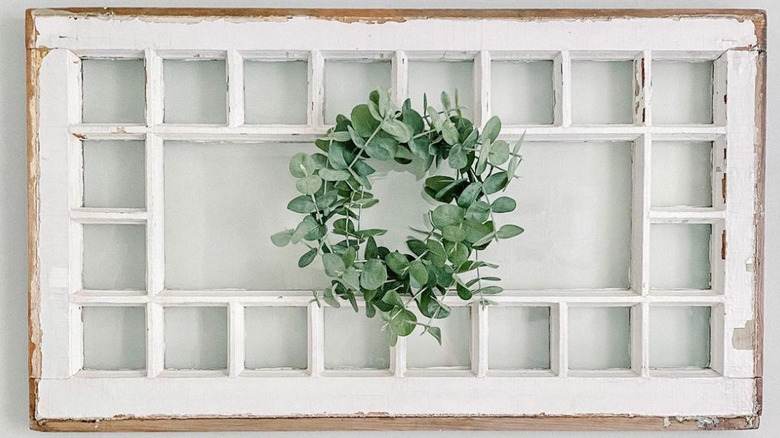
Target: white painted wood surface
67	392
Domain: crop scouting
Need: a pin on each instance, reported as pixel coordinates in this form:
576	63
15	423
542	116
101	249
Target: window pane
455	349
276	92
602	92
276	337
522	92
195	91
113	91
114	174
195	338
114	338
679	337
348	83
682	92
682	174
354	341
114	257
519	337
599	338
433	77
680	256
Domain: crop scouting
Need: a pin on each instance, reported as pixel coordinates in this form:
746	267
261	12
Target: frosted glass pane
349	83
455	349
196	338
276	92
114	257
682	174
679	337
680	256
599	338
222	204
276	337
519	337
522	92
114	174
113	91
682	92
433	77
195	91
114	338
602	92
574	202
354	341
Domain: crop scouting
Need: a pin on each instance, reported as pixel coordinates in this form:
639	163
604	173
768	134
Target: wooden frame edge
541	422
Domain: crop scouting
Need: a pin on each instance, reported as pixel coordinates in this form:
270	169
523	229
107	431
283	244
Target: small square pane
680	337
682	92
519	337
433	77
599	338
522	92
114	175
114	338
113	91
682	174
195	91
602	92
276	92
196	338
114	257
353	341
680	256
348	83
455	349
276	337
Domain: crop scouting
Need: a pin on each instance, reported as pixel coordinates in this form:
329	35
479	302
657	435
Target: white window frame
65	397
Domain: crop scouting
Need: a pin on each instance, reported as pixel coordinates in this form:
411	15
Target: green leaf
392	298
307	225
454	233
435	332
374	274
349	256
449	132
445	101
362	168
351	280
417	246
495	182
434	117
475	231
397	129
436	253
362	121
382	146
309	185
412	118
333	175
324	201
336	156
418	272
458	158
470	194
298	167
372	251
484	152
463	292
307	258
457	253
491	129
334	265
515	157
397	262
282	238
402	322
478	211
330	299
504	204
508	231
341	136
302	204
485	239
489	290
499	153
446	215
420	146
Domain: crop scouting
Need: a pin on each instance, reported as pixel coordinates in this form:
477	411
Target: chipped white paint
67	392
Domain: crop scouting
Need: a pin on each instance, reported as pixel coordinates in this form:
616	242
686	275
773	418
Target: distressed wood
737	368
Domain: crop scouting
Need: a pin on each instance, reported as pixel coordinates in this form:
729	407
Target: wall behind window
13	228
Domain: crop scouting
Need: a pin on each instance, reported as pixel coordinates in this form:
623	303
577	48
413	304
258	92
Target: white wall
13	240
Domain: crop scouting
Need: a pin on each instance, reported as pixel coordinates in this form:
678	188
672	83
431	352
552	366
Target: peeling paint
742	337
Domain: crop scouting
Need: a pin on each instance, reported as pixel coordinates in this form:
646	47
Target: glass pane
196	338
522	92
682	174
114	174
455	349
276	92
195	91
599	338
679	337
354	341
680	256
114	257
433	77
574	202
602	92
113	91
222	204
114	338
348	83
276	337
682	92
519	337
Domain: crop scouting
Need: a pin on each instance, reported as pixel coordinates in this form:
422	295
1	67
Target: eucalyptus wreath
335	186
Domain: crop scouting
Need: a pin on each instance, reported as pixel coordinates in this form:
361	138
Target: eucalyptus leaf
495	182
281	238
503	204
307	258
334	265
363	122
507	231
373	275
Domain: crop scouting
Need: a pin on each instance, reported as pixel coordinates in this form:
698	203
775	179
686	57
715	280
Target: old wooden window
157	301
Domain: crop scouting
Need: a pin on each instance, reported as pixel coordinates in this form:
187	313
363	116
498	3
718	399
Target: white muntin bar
482	87
559	341
640	339
316	116
153	65
109	215
400	78
686	215
316	340
155	340
640	240
235	78
236	339
479	339
76	334
643	89
562	89
155	228
398	358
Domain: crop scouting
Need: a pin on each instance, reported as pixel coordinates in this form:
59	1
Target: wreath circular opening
335	187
